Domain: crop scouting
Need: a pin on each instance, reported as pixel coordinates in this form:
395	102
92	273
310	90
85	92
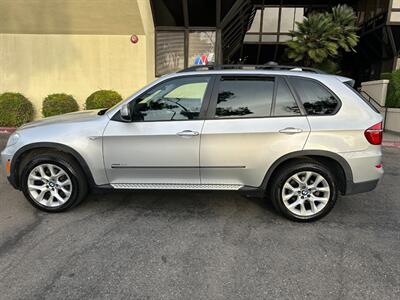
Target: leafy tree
312	41
323	36
345	20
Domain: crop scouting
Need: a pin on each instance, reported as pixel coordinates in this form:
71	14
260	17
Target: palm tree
345	21
322	36
312	41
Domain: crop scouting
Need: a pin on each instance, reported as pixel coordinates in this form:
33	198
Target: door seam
309	132
201	136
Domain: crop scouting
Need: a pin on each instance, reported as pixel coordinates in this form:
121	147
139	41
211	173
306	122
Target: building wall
81	58
148	30
392	121
71	16
395	14
37	65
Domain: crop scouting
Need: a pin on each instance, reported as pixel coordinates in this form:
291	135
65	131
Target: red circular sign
134	38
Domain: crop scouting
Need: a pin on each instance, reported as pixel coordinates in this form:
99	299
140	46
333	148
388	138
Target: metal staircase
381	109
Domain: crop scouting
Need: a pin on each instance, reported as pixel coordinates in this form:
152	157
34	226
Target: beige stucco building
75	47
80	46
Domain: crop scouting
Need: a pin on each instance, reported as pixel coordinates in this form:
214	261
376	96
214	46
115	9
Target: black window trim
292	92
211	109
323	86
209	104
204	104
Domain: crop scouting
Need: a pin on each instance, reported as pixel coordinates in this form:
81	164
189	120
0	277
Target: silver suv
296	136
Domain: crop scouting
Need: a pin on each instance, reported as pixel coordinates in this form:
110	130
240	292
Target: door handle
291	130
188	133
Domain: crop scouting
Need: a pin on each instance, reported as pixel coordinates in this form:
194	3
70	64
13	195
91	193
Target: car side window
244	96
285	103
176	99
317	100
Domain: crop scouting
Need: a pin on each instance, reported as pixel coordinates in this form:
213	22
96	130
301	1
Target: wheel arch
49	146
338	164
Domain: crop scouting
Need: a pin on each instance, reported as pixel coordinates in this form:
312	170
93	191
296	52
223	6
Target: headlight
13	139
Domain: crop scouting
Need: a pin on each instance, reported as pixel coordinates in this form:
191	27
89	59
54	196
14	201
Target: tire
46	176
317	201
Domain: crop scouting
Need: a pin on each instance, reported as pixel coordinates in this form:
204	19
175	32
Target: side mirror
126	112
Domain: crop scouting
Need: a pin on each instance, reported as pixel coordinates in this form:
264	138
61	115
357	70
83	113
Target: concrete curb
391	144
7	130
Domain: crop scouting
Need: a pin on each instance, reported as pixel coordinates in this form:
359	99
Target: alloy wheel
305	193
49	185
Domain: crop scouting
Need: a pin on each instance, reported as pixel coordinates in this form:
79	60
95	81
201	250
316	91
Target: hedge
102	99
393	93
57	104
15	110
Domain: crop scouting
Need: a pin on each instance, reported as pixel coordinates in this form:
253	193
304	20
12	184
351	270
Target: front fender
14	177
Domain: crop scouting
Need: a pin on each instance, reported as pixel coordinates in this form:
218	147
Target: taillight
374	134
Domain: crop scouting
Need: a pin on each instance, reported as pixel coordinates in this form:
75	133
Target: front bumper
6	158
11	180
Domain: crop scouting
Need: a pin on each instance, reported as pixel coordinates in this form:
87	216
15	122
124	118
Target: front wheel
304	191
53	182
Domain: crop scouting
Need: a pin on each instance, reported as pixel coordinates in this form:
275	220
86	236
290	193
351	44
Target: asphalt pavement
201	245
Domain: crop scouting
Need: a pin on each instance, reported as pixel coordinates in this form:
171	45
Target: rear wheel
53	182
304	191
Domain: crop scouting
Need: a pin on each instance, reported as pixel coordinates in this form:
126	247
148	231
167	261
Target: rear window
285	104
244	97
317	99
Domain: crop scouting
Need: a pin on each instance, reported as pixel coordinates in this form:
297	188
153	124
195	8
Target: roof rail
213	67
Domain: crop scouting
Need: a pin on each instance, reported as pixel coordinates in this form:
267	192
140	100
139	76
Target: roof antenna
271	63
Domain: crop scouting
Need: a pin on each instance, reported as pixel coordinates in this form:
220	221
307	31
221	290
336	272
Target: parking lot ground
201	245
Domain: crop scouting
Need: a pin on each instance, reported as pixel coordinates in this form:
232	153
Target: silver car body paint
75	130
217	154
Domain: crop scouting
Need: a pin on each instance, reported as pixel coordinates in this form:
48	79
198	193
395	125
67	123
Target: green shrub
57	104
102	99
386	76
15	110
393	93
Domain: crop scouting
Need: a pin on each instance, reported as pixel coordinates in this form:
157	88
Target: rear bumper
361	187
366	169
